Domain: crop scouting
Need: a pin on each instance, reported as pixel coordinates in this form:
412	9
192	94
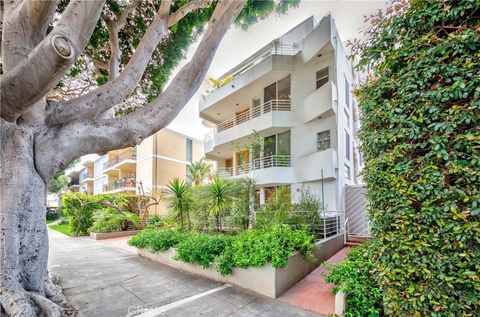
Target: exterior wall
100	178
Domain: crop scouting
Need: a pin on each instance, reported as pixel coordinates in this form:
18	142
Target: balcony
121	185
267	117
125	160
319	104
273	60
274	169
310	168
86	176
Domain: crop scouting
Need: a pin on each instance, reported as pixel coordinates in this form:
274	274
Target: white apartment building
296	94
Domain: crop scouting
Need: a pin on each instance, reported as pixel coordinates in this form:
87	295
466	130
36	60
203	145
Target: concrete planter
266	280
108	235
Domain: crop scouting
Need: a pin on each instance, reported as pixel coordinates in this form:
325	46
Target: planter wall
108	235
266	280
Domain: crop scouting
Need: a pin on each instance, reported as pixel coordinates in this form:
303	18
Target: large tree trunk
24	242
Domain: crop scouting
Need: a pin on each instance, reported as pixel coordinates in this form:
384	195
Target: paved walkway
102	280
313	293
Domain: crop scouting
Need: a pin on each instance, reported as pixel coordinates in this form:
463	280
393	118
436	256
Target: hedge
420	140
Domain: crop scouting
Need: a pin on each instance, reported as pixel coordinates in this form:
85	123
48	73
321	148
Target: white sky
238	45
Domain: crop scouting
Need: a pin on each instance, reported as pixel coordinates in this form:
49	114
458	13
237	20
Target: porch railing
269	106
119	184
127	155
260	163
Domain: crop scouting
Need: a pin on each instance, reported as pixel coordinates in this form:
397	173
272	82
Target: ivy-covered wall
421	145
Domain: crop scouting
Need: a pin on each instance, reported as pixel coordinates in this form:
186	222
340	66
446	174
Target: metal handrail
260	163
269	106
126	155
121	183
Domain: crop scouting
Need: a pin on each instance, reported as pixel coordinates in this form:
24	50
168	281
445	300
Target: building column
262	195
234	164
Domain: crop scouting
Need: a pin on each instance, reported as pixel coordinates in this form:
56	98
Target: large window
347	93
322	77
189	150
347	145
323	140
283	143
279	90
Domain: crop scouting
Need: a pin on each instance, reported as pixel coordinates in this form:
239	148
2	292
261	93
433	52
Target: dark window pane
189	150
283	143
322	77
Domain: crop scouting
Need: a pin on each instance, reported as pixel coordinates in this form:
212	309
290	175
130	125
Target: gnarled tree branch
81	136
32	79
117	90
114	25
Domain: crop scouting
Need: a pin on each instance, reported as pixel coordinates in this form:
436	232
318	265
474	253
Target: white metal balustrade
260	163
269	106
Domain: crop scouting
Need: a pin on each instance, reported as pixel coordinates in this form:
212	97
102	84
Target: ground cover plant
251	248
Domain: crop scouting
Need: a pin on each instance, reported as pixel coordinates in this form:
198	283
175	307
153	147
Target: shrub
421	146
155	221
354	276
111	220
201	248
156	241
254	248
80	208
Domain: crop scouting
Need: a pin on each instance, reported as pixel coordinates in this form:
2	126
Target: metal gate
356	219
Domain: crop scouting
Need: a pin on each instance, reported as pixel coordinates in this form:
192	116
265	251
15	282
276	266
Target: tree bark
25	285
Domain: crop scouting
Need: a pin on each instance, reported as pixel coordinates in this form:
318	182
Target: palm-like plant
199	171
179	199
219	196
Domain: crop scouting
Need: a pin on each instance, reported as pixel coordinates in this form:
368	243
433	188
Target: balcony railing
269	50
120	184
256	164
86	175
269	106
127	155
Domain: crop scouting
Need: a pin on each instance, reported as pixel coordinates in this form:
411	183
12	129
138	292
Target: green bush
354	276
421	146
111	220
254	248
80	208
201	248
157	241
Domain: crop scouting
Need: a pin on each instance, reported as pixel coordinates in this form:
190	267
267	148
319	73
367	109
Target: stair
354	240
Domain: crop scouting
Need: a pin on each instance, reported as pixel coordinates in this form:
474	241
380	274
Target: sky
237	45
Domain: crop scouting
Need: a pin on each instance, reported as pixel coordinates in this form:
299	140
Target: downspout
339	189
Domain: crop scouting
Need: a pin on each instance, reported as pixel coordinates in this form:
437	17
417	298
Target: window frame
329	140
317	79
347	145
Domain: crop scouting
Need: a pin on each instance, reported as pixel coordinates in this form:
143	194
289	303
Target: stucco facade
295	96
148	167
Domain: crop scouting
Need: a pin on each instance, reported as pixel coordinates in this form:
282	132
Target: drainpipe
339	188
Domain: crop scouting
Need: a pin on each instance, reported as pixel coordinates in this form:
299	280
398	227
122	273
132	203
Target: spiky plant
178	197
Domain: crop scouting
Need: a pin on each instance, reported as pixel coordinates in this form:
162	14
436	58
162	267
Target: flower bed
267	261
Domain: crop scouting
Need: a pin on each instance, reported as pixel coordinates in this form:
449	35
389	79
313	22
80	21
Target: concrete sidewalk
102	280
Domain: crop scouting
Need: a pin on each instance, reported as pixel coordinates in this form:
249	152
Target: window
283	143
347	171
347	118
347	145
347	93
323	140
322	77
188	178
189	150
279	90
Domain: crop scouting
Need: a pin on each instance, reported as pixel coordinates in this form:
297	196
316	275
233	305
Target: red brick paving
313	293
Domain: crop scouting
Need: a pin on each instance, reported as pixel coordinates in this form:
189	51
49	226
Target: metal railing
256	164
86	174
332	223
127	155
272	48
120	184
269	106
